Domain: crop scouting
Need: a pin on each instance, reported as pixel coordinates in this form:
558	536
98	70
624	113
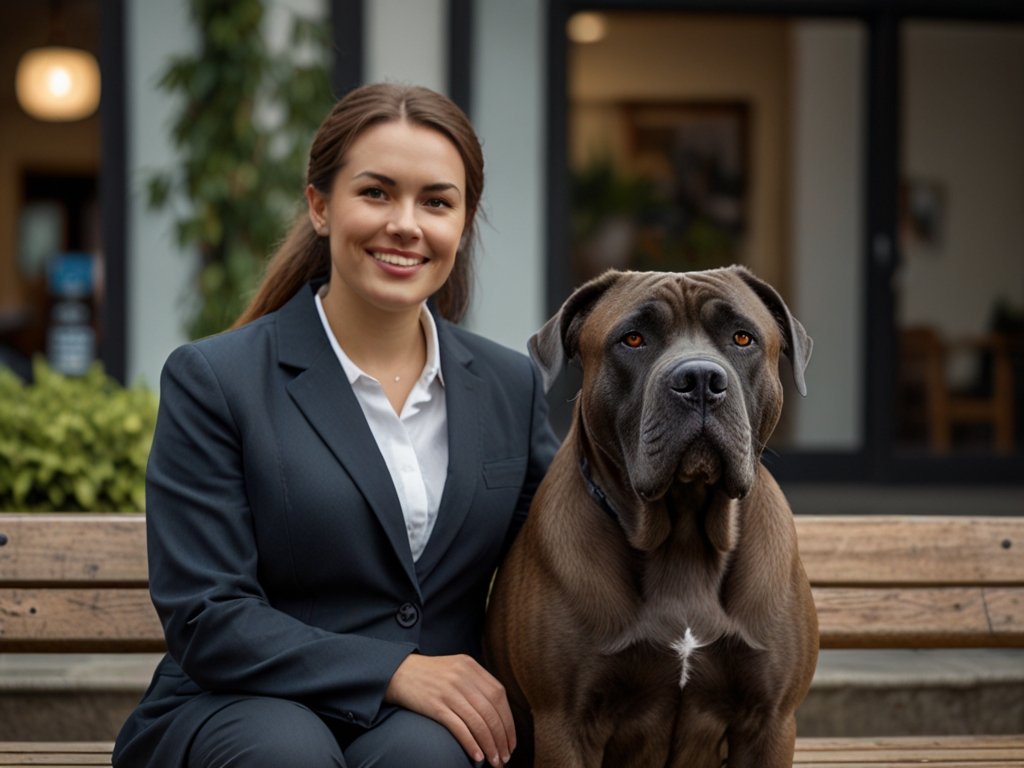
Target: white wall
405	42
508	94
827	220
158	272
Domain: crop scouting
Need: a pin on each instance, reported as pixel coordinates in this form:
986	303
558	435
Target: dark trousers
272	733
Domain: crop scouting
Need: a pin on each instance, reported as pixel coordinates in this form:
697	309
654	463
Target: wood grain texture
874	550
944	751
78	620
72	549
916	617
69	754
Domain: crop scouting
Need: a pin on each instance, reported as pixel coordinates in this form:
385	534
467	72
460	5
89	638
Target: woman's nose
403	222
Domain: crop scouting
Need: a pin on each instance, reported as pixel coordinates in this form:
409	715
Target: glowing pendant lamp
58	83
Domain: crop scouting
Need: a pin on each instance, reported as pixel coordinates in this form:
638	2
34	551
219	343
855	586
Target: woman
333	481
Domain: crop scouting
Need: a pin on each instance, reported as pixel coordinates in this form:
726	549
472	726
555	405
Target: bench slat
945	751
920	617
928	550
69	550
70	754
78	620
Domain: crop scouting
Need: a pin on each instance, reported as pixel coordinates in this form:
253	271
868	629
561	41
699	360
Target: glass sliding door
959	288
698	141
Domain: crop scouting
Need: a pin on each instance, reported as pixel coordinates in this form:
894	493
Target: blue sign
71	275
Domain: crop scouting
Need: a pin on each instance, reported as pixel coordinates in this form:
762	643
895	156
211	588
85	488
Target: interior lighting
587	27
56	83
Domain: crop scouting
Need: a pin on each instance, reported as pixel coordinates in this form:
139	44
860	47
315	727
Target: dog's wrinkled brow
725	312
649	313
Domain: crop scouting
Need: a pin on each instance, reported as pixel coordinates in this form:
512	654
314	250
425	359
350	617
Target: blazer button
407	616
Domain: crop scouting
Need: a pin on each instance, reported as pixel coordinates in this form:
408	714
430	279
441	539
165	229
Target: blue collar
596	493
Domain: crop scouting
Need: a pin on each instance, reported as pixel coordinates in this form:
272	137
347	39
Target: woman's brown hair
304	255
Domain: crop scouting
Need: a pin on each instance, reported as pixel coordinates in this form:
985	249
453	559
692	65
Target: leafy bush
73	444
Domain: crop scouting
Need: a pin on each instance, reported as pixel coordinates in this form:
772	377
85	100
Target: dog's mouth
700	463
703	460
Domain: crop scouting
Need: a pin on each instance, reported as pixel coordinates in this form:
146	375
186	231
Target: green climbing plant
248	113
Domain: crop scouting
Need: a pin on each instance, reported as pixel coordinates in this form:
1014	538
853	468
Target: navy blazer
278	556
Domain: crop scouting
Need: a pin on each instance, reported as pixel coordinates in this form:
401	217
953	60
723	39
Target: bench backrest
916	581
77	583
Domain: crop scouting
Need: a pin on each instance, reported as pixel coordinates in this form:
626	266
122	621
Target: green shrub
73	444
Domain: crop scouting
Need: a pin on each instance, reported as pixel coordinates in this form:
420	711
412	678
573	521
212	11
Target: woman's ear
317	210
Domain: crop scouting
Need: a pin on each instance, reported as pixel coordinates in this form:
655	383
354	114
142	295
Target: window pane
700	141
960	289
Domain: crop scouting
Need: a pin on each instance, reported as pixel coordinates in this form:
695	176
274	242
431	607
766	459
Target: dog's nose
701	382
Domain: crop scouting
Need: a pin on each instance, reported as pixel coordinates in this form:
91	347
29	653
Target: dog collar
596	493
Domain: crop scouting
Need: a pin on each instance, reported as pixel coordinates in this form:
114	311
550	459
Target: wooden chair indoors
924	362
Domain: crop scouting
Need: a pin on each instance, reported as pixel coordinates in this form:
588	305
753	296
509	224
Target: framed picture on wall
697	155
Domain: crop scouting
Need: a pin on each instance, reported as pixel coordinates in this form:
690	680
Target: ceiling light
587	27
57	83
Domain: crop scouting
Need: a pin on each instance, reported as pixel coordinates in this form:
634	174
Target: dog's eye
633	340
742	339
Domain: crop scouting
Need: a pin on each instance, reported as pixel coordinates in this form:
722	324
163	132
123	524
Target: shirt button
407	615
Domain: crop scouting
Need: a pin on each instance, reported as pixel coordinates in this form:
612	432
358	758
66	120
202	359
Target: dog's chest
671	633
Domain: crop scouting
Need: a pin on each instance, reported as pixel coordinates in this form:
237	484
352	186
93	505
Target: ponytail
303	256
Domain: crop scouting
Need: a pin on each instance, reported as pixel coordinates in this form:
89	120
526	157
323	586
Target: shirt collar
431	370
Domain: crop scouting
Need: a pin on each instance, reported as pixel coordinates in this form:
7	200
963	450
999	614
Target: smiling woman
323	509
394	220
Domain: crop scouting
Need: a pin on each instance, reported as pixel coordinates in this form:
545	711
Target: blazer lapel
462	399
324	395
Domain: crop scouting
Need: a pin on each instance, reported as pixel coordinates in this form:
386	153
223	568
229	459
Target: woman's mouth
398	259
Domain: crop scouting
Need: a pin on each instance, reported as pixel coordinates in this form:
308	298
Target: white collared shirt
414	444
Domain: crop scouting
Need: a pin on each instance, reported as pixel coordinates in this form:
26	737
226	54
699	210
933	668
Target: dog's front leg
698	740
562	742
770	745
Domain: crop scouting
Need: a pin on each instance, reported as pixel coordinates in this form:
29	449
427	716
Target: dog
653	611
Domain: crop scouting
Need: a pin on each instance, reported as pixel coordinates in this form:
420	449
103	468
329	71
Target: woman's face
395	216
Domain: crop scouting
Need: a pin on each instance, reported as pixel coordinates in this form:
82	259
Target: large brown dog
654	611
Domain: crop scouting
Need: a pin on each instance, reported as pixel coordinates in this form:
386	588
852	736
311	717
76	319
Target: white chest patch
685	647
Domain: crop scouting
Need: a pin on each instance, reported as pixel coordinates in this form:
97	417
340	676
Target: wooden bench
77	583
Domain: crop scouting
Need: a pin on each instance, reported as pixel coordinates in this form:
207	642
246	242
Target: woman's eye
742	339
374	193
437	202
633	340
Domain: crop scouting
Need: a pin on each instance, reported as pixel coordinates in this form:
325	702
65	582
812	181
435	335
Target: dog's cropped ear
556	342
798	344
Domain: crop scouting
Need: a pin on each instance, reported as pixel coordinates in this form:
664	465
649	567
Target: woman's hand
461	695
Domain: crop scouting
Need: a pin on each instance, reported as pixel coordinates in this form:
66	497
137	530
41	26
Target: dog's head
680	373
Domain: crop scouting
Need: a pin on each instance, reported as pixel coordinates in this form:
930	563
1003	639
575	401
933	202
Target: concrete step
910	692
855	693
76	697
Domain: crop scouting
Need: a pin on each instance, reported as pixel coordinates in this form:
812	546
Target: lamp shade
57	83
